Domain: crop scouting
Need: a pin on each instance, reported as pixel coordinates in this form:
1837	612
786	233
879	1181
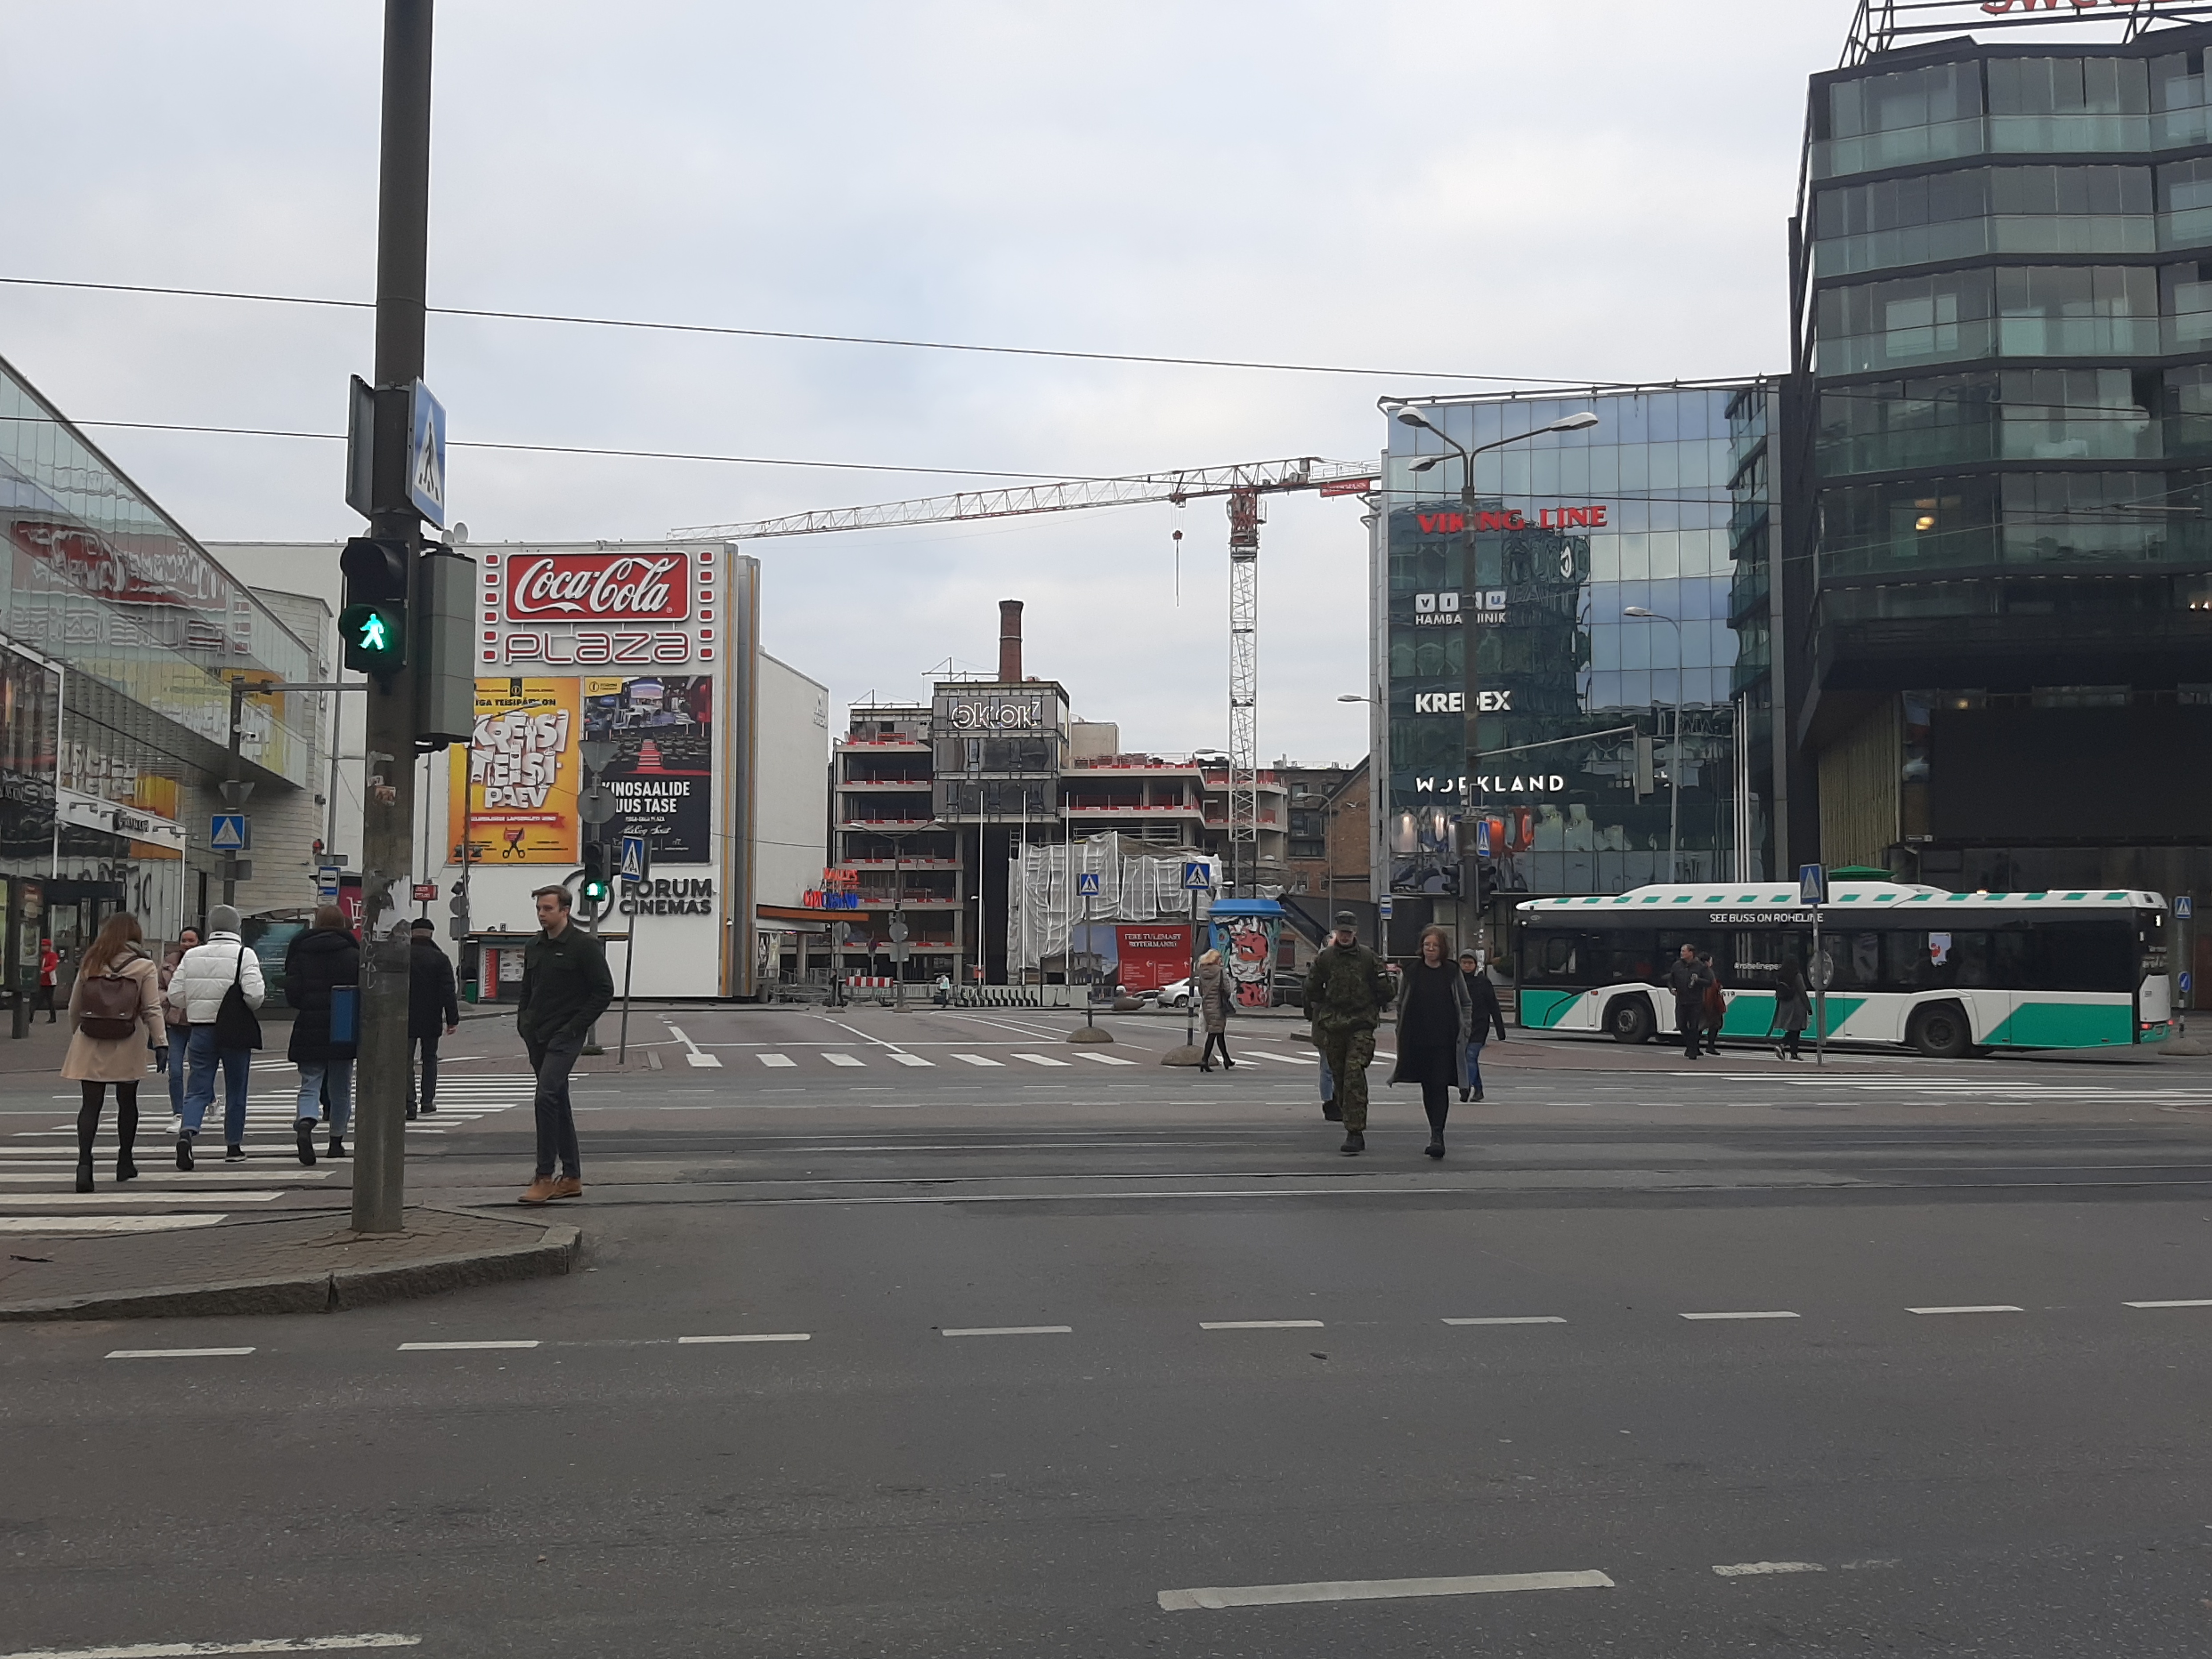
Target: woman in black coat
319	961
1435	1022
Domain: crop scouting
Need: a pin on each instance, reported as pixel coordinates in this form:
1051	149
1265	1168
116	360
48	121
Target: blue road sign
1812	884
1482	838
230	832
634	859
1197	877
1386	907
1086	884
426	454
2184	908
2187	980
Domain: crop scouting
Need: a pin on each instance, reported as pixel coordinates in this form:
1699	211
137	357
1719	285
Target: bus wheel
1940	1031
1628	1020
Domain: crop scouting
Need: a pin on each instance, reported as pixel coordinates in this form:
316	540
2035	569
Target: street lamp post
1674	764
1470	881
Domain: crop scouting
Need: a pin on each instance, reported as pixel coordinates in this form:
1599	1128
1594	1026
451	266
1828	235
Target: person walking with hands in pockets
565	986
1436	1025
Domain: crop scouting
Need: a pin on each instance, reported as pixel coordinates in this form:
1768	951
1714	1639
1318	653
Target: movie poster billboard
662	774
524	771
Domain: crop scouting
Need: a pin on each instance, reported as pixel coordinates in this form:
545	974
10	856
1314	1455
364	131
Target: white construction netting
1049	917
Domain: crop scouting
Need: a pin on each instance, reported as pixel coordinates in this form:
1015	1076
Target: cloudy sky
1574	189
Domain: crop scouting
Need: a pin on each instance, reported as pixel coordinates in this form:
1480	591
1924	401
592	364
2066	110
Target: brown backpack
107	1005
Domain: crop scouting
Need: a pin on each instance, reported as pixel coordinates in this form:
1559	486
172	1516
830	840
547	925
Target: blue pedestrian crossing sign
634	859
2184	908
1812	884
231	832
1197	877
2188	981
1086	884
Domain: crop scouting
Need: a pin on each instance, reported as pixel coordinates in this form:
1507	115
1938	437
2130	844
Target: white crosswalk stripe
775	1059
1108	1060
1041	1059
844	1059
979	1060
911	1059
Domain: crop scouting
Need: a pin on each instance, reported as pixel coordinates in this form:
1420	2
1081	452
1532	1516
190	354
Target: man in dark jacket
1687	979
1489	1015
565	986
317	965
431	1008
1346	990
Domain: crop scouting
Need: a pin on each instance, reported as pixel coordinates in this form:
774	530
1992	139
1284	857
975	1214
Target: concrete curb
554	1251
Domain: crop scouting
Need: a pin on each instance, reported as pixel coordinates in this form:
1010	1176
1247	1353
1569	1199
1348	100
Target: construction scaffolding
1049	917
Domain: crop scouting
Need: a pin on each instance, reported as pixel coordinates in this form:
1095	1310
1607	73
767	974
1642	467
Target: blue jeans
1474	1067
199	1088
180	1037
340	1075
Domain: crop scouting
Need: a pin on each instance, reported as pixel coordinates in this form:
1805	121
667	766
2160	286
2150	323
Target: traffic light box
373	622
594	888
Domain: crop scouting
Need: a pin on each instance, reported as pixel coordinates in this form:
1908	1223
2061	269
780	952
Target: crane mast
1245	485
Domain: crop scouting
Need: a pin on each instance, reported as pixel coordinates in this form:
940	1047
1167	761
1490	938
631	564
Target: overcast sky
1577	188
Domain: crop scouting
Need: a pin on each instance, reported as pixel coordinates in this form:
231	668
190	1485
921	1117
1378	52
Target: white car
1176	996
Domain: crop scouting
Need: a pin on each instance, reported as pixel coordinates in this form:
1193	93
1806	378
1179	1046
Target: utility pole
387	853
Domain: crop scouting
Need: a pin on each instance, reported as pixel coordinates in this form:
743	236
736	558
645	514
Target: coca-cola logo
598	587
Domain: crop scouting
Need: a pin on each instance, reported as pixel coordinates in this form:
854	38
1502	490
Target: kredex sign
598	587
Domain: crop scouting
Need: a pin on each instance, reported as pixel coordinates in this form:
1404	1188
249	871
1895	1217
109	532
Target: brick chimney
1010	642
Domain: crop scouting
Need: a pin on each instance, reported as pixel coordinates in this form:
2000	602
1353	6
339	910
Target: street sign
2184	908
1482	838
1812	884
1086	884
326	885
425	892
1386	907
426	454
231	831
636	860
1197	877
2188	979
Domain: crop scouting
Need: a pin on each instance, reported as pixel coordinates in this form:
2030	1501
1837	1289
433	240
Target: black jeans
427	1046
1690	1022
88	1116
1789	1044
556	1119
1215	1039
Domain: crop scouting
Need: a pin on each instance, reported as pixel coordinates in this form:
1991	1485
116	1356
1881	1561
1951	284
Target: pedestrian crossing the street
38	1166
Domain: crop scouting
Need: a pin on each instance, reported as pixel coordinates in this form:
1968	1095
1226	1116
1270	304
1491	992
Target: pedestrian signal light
595	887
373	623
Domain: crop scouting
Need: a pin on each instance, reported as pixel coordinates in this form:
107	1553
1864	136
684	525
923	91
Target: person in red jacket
50	964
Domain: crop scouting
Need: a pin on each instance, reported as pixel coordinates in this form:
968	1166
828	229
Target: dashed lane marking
1372	1589
1513	1319
775	1059
1980	1307
1765	1569
2199	1302
1771	1313
359	1643
751	1336
1041	1059
175	1354
1008	1331
434	1348
1259	1324
979	1060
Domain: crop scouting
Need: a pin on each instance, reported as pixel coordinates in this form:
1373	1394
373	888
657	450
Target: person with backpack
117	997
217	987
318	964
430	1006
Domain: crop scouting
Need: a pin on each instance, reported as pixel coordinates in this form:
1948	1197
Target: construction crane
1245	486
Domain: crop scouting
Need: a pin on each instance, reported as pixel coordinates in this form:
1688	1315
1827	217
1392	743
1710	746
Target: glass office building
1663	506
119	638
2004	334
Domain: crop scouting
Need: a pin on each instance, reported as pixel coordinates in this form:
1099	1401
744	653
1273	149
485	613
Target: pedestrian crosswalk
38	1166
845	1059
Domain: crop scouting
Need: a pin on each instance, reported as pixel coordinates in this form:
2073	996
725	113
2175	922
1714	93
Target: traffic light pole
387	853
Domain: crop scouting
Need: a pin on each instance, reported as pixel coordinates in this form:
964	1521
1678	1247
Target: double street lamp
1470	599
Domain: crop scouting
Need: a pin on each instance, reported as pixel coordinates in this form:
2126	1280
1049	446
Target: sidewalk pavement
287	1264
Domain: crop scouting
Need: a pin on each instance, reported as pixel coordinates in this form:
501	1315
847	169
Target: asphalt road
877	1355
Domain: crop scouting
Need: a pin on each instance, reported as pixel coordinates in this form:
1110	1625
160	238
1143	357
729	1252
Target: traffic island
296	1264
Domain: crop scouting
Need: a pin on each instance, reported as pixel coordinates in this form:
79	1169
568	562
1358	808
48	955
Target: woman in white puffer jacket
203	978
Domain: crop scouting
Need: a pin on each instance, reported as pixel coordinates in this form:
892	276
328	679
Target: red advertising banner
1152	954
598	587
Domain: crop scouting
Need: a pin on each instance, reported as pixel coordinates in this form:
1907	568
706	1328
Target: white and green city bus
1947	973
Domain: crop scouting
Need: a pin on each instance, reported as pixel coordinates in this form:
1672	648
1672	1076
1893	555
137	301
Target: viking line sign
598	587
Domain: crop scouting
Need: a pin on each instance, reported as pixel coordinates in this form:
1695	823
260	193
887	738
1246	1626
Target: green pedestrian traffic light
594	888
372	624
375	637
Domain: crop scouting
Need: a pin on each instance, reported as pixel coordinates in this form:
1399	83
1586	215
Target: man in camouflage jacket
1346	990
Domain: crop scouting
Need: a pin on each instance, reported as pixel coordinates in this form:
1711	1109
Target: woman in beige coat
112	962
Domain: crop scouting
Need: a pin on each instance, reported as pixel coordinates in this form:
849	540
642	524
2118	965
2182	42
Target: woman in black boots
1435	1022
115	1006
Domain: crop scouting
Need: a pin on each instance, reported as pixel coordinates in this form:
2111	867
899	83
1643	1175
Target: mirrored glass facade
1661	507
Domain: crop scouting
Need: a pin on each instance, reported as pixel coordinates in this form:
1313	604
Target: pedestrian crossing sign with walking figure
1198	877
635	861
230	832
1086	884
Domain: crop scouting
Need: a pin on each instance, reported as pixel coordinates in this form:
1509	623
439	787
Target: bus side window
1560	955
1970	959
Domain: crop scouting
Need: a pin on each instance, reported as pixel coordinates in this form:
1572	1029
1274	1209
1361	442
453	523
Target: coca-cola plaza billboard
554	607
598	587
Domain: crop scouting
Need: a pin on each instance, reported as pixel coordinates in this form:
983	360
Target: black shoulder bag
235	1026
